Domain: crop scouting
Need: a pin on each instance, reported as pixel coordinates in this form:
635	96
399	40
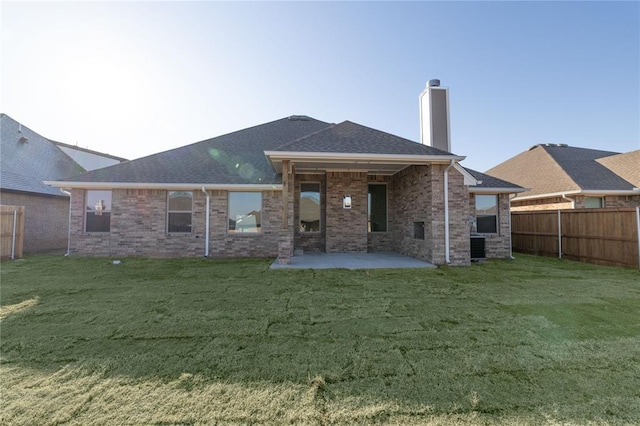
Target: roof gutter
363	158
589	192
488	190
167	186
573	200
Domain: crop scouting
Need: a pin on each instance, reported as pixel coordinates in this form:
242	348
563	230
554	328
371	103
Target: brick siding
497	246
139	227
346	229
46	223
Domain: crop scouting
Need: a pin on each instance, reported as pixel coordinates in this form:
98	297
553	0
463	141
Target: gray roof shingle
234	158
25	164
349	137
551	168
488	181
238	157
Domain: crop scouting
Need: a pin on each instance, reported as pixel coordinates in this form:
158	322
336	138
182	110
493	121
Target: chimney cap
433	83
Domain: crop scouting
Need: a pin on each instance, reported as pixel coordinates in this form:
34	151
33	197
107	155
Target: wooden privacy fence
603	236
11	231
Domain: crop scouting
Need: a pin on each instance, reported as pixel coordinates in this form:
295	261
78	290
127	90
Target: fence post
559	235
13	236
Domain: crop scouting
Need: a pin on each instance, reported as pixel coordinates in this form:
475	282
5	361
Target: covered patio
319	260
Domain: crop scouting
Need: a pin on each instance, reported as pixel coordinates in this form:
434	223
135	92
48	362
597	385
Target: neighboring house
294	183
565	177
27	159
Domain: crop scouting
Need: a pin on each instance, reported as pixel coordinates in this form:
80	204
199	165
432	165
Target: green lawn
196	341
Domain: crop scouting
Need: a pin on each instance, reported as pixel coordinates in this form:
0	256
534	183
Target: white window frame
497	215
169	211
235	231
319	207
95	211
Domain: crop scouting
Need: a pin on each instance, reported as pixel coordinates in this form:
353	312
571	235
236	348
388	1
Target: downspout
573	200
511	230
206	232
68	253
447	257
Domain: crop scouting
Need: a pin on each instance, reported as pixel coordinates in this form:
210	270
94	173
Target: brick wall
418	197
346	229
622	201
497	246
139	227
46	220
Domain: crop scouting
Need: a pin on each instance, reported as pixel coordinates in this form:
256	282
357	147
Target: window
418	230
377	208
98	211
179	211
593	202
245	212
309	207
487	214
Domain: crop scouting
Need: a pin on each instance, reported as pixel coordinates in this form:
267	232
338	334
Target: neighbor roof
29	158
241	158
626	165
555	169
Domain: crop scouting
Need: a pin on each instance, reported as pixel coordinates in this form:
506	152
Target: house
27	160
295	183
565	177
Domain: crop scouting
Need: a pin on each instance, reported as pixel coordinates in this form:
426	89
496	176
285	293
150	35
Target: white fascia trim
362	158
588	192
167	186
488	190
469	180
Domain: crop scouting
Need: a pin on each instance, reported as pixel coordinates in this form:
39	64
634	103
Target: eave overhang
355	162
166	186
586	192
497	190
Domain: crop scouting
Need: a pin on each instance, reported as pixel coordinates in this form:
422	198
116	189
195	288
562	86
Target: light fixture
346	202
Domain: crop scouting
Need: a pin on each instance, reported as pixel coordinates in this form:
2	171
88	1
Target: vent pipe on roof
434	116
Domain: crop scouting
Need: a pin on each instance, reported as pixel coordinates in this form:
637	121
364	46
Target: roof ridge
330	126
555	163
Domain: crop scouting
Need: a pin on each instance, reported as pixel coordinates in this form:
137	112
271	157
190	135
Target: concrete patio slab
352	261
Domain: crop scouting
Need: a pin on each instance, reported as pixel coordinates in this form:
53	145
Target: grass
196	341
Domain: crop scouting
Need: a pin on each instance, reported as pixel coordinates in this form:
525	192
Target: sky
135	78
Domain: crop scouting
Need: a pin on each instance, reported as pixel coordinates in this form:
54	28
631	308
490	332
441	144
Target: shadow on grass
498	339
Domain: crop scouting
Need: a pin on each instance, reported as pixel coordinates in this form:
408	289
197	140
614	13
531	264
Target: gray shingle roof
238	157
581	165
25	164
488	181
349	137
234	158
550	168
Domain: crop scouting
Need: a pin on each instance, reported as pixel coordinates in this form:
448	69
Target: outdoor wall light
346	202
